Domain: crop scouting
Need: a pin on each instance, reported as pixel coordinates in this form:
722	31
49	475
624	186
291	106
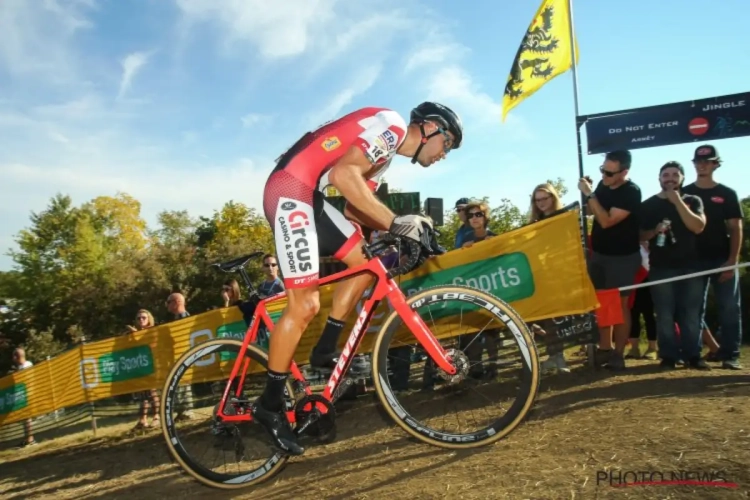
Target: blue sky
186	103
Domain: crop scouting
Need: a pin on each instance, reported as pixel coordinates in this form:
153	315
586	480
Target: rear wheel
491	393
192	393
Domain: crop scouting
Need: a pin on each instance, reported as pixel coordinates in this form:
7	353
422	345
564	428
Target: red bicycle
448	354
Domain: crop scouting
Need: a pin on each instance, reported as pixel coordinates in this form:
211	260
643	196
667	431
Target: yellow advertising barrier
540	269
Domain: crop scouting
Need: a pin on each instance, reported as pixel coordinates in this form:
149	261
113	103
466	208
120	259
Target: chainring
312	421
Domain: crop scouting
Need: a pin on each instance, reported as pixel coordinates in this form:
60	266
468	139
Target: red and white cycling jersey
305	225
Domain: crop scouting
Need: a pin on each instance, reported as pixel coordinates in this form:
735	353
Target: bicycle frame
384	287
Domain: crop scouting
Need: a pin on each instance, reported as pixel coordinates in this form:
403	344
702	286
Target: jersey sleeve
381	137
629	200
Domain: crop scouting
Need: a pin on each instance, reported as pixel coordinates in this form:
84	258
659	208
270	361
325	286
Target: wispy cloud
131	66
35	37
277	29
252	119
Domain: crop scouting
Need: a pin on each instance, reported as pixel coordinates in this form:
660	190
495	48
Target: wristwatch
592	195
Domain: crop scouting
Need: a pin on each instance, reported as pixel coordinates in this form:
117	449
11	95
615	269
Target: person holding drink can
671	222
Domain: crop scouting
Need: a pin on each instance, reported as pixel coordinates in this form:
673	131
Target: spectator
719	246
544	201
477	215
148	399
21	363
670	222
615	256
176	306
271	286
465	229
641	304
230	293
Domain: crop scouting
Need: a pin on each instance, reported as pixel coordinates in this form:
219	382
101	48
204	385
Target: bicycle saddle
238	263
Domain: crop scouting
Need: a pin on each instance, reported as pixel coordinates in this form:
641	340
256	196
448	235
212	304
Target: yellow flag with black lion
544	53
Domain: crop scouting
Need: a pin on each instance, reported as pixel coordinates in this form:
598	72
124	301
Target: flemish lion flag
544	53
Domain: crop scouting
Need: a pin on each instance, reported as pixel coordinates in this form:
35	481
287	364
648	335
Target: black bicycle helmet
443	115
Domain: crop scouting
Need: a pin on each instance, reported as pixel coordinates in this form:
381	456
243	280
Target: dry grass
583	423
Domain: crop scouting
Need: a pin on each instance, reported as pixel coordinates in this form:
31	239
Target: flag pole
573	55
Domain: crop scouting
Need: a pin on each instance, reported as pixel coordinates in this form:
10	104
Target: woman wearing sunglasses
478	217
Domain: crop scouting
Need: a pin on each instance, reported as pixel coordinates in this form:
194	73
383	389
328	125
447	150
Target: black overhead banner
677	123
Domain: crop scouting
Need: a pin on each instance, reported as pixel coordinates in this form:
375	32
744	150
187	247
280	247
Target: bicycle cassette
312	421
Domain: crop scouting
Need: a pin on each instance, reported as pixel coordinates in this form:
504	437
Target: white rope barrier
686	276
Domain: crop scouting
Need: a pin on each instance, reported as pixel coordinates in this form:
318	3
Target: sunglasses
447	140
460	209
608	173
539	200
472	215
142	318
272	264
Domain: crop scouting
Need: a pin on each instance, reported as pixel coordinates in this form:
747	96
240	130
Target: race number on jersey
382	135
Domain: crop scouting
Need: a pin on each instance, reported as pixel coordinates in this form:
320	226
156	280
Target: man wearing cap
465	230
719	246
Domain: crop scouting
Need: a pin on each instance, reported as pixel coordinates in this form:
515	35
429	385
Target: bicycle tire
202	474
494	432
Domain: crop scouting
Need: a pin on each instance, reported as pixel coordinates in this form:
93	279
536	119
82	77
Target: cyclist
351	154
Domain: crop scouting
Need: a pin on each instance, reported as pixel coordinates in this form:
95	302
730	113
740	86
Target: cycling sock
272	398
329	339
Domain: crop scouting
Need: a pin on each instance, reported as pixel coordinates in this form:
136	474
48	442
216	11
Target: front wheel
498	369
219	454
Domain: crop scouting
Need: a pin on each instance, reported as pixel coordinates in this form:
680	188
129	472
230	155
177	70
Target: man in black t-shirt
616	256
671	222
719	246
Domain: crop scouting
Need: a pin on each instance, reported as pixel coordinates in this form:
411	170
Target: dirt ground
584	424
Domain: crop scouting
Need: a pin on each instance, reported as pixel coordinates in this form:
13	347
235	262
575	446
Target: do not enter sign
698	126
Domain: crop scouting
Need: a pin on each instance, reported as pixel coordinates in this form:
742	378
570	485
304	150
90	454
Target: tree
233	231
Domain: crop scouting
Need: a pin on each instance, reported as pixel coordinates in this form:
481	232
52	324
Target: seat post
246	279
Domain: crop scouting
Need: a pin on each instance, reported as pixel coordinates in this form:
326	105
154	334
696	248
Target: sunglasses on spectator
608	173
544	198
270	264
144	318
461	208
472	215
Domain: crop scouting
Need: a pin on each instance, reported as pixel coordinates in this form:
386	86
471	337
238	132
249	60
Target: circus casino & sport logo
291	224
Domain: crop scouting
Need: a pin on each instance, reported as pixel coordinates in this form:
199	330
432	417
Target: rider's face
437	146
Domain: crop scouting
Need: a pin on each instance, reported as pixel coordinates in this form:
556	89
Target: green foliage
85	271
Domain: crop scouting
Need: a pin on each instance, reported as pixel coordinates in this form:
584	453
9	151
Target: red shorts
305	228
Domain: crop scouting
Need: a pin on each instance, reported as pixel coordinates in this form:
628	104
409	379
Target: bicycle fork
423	334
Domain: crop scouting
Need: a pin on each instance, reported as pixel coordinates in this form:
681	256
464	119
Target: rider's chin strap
424	140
